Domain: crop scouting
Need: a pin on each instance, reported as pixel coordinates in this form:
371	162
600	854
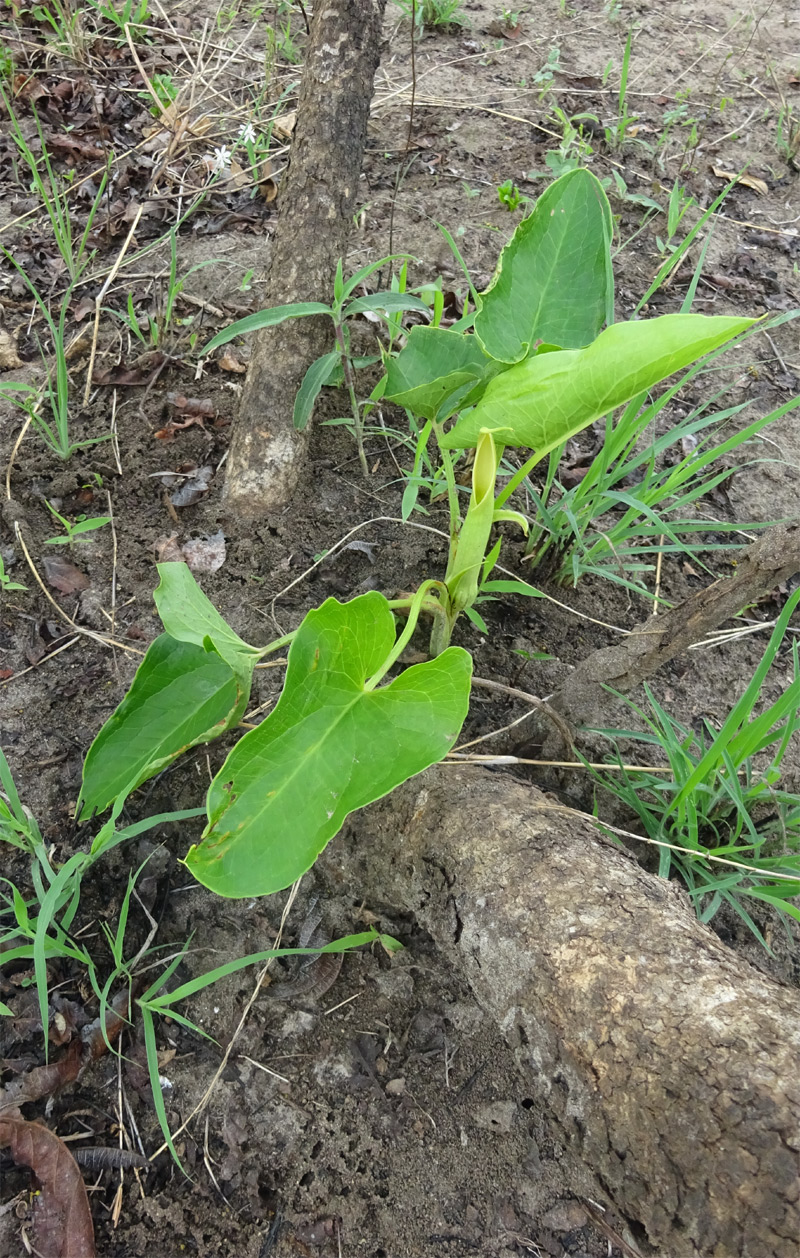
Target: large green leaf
331	745
437	371
554	281
188	615
182	695
545	400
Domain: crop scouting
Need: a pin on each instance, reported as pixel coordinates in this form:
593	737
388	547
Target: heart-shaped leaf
182	695
331	745
547	399
554	280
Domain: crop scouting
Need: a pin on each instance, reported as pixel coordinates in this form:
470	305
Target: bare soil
384	1117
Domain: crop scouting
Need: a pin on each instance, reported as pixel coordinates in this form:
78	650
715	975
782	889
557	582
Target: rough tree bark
317	202
668	1064
774	558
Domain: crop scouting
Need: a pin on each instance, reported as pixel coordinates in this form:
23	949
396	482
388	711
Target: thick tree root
774	558
669	1065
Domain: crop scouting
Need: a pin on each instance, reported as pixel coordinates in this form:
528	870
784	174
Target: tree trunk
669	1065
317	202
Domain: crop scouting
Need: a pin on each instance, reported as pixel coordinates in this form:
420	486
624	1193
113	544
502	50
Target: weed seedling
52	193
787	135
630	504
574	149
75	532
509	195
324	370
680	202
156	327
38	930
165	91
65	21
130	13
438	13
616	137
545	76
5	580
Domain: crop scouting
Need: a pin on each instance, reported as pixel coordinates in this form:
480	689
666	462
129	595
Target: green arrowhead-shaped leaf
331	745
438	371
554	280
188	615
181	695
547	399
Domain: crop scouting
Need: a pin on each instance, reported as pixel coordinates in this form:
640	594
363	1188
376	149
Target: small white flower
221	160
247	133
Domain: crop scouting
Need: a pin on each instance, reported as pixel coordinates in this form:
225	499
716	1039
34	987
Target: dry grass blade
751	870
540	704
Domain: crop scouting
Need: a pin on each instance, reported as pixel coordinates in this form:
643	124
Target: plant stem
405	637
277	644
347	371
452	491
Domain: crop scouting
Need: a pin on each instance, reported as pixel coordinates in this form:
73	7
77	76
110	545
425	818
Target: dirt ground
382	1117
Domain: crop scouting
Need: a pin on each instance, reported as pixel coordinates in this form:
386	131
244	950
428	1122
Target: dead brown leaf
71	146
205	554
234	176
44	636
66	1019
27	87
747	181
142	372
9	358
64	576
504	30
117	1015
168	549
82	308
167	433
200	554
43	1080
229	362
189	483
284	126
191	405
62	1218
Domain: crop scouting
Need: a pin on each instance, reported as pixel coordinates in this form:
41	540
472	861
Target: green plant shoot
537	368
